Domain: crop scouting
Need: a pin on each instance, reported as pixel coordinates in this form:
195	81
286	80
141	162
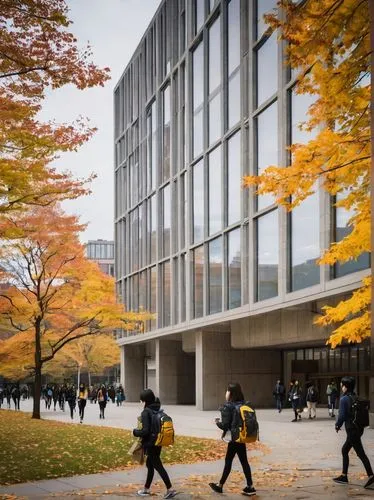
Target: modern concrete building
102	252
233	280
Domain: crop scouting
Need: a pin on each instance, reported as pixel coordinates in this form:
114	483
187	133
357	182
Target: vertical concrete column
122	365
133	370
167	361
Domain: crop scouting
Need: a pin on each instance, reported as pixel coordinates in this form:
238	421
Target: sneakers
342	479
170	494
369	482
143	493
216	487
249	491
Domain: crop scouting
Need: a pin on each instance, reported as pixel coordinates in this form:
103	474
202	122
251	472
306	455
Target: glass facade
205	100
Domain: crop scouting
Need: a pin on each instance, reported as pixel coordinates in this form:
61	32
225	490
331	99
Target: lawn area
44	449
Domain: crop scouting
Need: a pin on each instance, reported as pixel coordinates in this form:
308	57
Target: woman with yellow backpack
238	420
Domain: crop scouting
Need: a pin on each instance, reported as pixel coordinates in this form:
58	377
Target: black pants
154	463
240	450
102	405
82	405
354	441
72	407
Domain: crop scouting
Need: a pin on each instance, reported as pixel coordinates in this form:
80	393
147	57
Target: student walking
234	396
278	394
295	398
82	401
152	452
354	433
332	396
311	400
71	398
102	397
16	396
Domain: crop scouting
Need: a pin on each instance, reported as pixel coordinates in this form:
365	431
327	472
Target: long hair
236	393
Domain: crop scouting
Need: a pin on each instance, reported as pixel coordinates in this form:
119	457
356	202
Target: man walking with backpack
311	400
151	443
355	417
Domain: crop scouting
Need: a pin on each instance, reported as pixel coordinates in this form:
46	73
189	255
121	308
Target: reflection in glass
166	133
267	69
343	229
264	7
198	76
166	276
215	191
166	220
267	255
152	304
154	147
215	275
198	280
267	146
198	137
299	114
153	226
183	288
199	14
183	210
234	286
215	119
234	99
134	221
214	55
234	179
233	36
198	201
305	246
143	291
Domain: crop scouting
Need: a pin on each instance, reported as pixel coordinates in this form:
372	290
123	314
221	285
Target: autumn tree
55	295
329	46
92	354
37	52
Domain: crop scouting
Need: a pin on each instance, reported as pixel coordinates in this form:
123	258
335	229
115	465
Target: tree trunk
38	373
79	377
89	378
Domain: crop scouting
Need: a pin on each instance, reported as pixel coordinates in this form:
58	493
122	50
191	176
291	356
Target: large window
267	69
199	14
166	133
263	7
343	229
198	201
134	221
267	255
198	99
234	278
215	191
183	210
166	212
215	275
198	282
267	146
183	295
166	289
152	224
233	66
305	237
215	81
234	179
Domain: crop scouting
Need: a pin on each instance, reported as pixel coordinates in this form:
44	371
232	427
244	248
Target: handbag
137	452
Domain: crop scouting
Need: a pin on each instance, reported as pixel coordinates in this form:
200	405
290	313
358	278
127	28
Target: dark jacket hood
154	406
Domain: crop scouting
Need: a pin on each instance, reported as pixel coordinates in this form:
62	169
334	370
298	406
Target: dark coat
146	424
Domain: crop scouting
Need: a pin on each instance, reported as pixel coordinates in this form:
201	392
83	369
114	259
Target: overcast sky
114	29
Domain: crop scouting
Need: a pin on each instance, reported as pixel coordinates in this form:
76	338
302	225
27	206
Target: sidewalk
300	461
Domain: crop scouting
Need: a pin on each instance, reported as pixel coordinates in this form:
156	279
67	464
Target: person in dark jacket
16	396
71	398
312	400
153	462
102	398
295	395
353	433
278	394
234	396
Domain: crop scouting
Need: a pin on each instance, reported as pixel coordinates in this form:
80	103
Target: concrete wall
175	373
132	370
217	364
277	328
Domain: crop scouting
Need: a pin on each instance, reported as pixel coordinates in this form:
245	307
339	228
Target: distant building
102	252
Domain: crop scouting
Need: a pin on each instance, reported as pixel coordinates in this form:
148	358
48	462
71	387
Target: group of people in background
299	399
13	392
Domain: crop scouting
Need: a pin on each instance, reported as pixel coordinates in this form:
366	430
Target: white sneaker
170	494
143	493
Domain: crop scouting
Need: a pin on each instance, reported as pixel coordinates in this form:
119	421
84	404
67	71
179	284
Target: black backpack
162	429
244	425
359	412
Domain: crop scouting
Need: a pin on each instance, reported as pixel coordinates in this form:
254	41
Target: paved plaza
298	459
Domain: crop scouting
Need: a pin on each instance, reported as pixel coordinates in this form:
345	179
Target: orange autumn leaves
329	46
